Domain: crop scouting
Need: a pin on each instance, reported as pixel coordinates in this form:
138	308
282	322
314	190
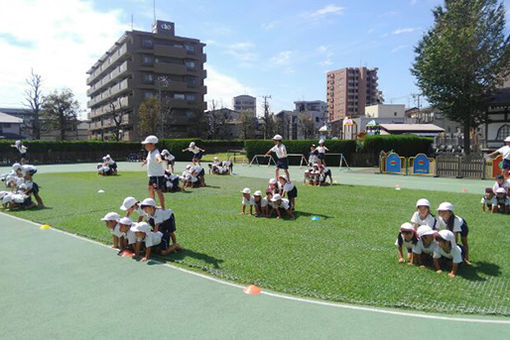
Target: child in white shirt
321	150
504	151
424	249
281	204
169	159
261	204
281	156
161	220
448	250
422	215
111	220
131	205
127	237
289	190
197	152
456	224
406	238
145	235
488	200
502	204
247	200
155	170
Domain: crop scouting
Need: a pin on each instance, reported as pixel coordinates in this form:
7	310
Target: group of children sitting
431	240
280	199
152	229
497	198
108	167
20	188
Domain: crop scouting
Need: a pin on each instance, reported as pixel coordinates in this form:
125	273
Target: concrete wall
385	111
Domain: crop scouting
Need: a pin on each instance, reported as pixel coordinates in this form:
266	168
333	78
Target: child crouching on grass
131	205
407	238
281	205
455	224
162	220
423	250
144	235
448	251
248	199
261	204
127	236
289	190
502	202
111	220
488	200
422	215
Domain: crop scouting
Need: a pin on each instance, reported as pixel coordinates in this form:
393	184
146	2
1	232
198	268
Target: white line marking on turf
287	297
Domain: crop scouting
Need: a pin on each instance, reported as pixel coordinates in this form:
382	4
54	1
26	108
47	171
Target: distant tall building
349	90
245	103
304	122
142	65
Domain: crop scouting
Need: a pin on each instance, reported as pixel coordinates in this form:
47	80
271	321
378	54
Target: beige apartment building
349	90
143	65
245	103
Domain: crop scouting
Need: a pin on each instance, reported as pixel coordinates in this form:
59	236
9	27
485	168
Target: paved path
56	286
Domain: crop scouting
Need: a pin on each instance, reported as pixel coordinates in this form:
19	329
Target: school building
143	65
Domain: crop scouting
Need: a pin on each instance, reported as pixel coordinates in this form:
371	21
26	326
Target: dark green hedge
404	145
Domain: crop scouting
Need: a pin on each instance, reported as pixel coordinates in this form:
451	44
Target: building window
190	65
503	132
147	43
316	119
191	81
179	96
147	59
190	97
190	49
189	114
148	78
148	94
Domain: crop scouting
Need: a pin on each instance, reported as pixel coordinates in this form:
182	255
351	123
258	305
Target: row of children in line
426	244
317	175
280	199
497	198
108	167
21	186
153	231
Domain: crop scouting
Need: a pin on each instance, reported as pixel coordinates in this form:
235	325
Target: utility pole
266	115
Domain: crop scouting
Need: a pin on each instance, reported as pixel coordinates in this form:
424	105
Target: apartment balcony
163	50
104	109
107	64
175	69
109	78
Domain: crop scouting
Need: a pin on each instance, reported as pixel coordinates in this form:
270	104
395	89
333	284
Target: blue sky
282	48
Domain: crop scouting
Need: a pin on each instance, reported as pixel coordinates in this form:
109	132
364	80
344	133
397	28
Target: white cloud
330	9
61	45
222	88
405	30
267	26
398	48
242	51
283	58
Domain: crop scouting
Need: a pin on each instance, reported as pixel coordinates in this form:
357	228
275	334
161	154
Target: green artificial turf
348	255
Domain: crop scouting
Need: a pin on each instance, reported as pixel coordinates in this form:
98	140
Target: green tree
462	59
247	124
149	117
59	112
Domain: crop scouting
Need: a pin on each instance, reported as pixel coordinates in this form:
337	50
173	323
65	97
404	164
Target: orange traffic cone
126	253
252	290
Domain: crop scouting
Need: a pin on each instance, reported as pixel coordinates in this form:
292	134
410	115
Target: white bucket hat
321	141
448	236
407	227
423	202
246	191
425	230
277	137
150	140
192	144
445	206
111	216
128	203
501	191
126	221
148	202
276	197
16	166
507	139
142	227
258	193
272	181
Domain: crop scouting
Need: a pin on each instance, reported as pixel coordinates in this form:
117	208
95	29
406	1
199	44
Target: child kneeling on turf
162	220
130	205
455	224
261	209
488	200
145	235
127	237
502	202
423	250
111	220
281	204
449	251
422	215
289	190
407	238
247	200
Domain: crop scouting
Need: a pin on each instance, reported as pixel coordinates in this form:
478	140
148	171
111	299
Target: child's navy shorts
321	156
282	163
292	193
158	182
506	164
35	188
464	229
197	156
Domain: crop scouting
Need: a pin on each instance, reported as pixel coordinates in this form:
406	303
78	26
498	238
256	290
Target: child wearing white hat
261	204
172	182
248	199
162	220
406	238
321	152
111	220
424	249
198	172
273	186
449	251
197	152
169	159
22	149
488	200
502	202
423	216
155	169
501	182
28	172
281	205
145	235
131	205
127	237
456	224
289	190
504	151
281	156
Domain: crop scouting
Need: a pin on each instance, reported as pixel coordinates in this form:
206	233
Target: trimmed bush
405	145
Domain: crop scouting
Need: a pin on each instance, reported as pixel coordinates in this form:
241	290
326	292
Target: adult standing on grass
155	169
505	152
281	154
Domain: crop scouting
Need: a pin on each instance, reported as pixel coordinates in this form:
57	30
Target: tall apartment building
142	65
245	103
349	90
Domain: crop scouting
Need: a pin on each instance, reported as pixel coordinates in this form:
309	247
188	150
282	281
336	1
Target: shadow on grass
181	255
472	273
298	214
